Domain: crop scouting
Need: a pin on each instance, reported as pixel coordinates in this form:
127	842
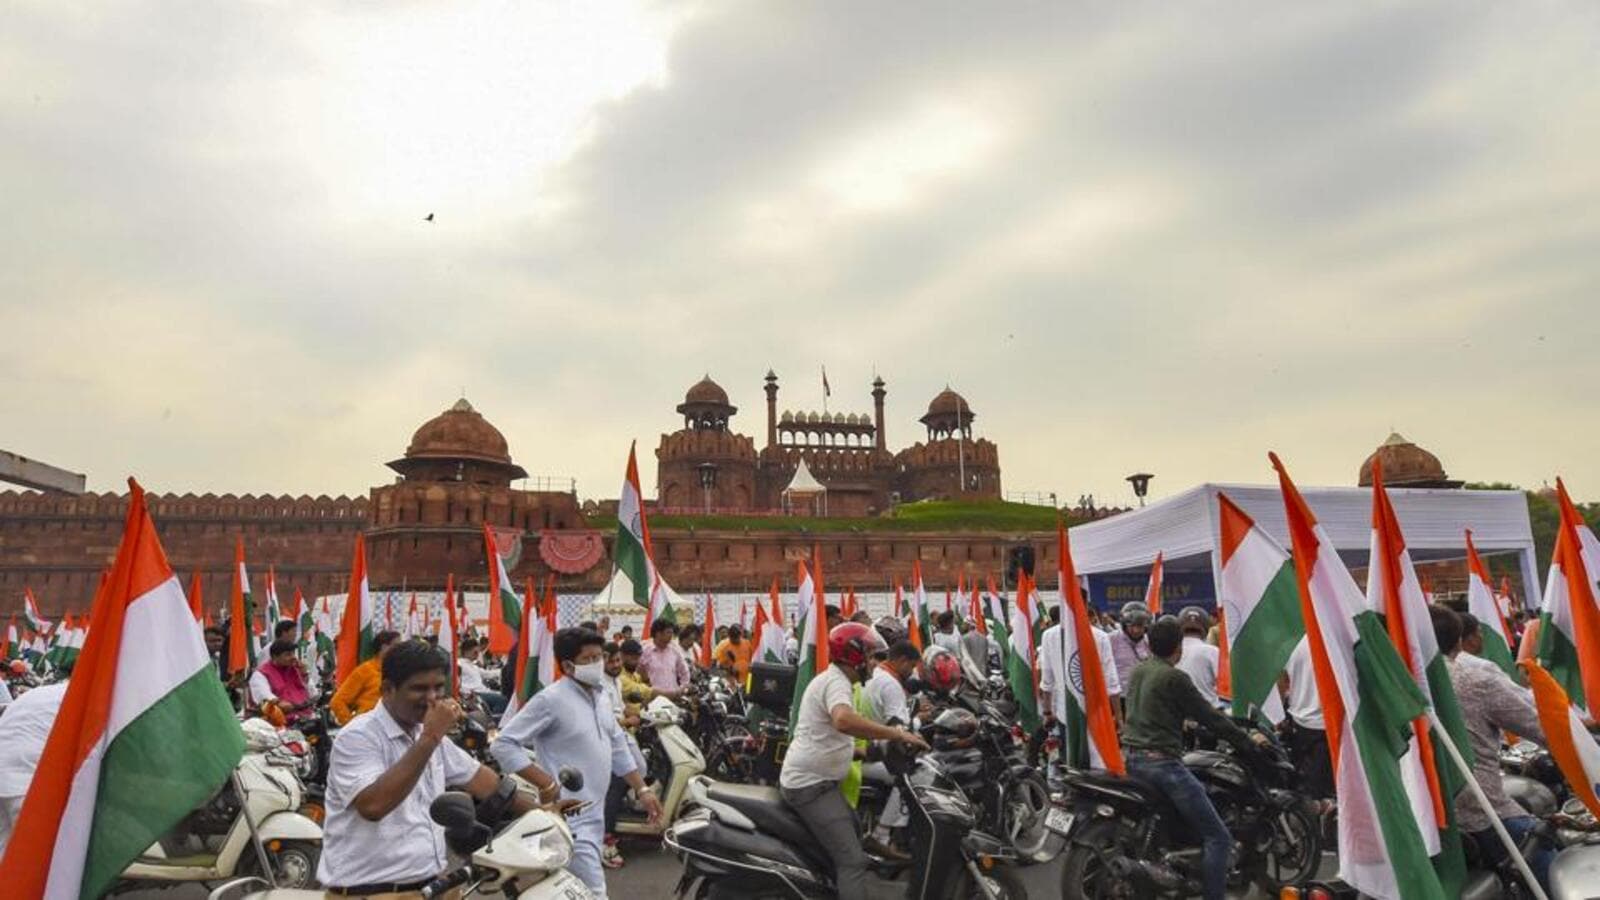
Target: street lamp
1141	484
708	480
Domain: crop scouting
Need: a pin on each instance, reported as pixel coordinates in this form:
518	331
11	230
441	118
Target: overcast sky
1163	237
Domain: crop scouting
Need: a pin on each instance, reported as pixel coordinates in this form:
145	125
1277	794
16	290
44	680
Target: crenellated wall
679	455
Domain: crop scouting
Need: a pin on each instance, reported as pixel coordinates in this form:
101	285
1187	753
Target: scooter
215	842
743	841
526	859
672	760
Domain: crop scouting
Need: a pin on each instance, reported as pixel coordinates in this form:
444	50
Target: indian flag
1152	590
813	645
1569	630
12	646
324	652
505	607
358	622
142	738
634	574
1570	743
1021	661
1260	608
1091	729
536	665
242	650
919	600
975	610
274	612
769	637
36	623
450	634
1393	590
997	620
1369	700
1483	606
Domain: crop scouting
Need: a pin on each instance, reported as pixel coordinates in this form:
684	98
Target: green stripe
1021	678
802	680
1267	637
1560	658
510	606
163	765
627	553
1451	863
1497	651
1388	701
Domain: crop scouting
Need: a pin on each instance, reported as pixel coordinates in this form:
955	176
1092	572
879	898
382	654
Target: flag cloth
1394	591
1022	661
197	603
11	642
1152	590
998	627
708	629
1570	743
769	634
1091	729
357	625
975	611
1260	607
505	607
326	654
919	603
813	645
1481	603
744	615
526	672
242	651
1569	627
450	634
141	740
635	575
36	623
274	612
1368	703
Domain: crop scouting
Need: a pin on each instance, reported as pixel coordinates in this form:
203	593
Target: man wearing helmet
1128	647
823	746
1200	661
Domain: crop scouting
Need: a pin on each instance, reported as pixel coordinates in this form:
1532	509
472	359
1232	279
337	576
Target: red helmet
853	644
941	669
18	667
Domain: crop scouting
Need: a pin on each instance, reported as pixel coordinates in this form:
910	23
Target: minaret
772	409
877	411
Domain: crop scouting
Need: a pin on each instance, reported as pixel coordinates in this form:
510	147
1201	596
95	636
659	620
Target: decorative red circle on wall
571	552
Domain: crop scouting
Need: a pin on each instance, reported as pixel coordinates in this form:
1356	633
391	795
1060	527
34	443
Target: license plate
1058	820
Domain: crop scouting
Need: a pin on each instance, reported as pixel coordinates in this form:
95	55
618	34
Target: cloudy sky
1165	237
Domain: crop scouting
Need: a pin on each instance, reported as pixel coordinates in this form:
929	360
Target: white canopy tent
1184	527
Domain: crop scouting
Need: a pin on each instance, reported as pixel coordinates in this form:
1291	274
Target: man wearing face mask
571	723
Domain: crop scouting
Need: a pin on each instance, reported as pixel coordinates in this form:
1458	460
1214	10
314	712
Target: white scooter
672	760
216	842
527	860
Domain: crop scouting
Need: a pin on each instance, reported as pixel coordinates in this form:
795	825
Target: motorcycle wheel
1295	852
1086	873
294	865
1002	880
1023	807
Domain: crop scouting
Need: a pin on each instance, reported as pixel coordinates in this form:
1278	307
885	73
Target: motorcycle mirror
570	778
453	809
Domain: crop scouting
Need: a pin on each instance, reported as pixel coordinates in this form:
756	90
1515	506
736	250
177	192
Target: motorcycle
214	842
526	859
743	841
671	761
1128	840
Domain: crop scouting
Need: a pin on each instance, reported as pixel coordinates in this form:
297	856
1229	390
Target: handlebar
446	883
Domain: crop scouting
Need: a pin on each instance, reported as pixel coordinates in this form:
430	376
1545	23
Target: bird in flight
429	218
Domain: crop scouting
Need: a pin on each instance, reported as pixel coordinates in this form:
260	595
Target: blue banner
1109	591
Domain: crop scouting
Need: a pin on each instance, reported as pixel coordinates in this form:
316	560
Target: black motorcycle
743	841
1128	840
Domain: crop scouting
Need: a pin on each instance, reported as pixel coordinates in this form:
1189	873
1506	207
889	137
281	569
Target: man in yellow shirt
733	654
363	688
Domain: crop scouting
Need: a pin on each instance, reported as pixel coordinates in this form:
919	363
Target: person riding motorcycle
820	753
1128	645
1159	698
941	670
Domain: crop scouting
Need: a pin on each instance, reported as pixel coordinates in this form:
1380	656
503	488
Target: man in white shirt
572	723
945	634
886	692
1053	672
1200	660
1305	733
26	725
819	756
388	766
472	682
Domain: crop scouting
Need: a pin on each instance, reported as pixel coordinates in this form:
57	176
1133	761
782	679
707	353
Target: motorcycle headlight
550	849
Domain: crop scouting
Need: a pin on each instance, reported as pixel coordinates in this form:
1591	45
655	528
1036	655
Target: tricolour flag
450	634
813	646
1394	591
358	623
1152	590
1260	607
31	616
1484	607
975	611
11	645
919	603
1368	703
635	576
242	650
998	626
769	634
325	652
274	612
505	607
1569	627
1570	743
1022	661
1091	729
143	737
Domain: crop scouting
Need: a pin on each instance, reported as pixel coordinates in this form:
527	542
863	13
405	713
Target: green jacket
1159	697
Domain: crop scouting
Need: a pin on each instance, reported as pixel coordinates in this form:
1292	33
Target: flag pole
1483	801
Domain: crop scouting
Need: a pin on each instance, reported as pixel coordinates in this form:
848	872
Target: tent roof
1184	526
803	481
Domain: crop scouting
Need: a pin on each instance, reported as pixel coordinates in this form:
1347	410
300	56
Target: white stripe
1254	563
1482	606
72	837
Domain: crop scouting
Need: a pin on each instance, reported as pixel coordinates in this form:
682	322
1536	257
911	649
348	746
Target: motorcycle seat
765	807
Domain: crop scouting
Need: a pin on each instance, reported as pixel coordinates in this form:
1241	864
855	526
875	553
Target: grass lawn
928	515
